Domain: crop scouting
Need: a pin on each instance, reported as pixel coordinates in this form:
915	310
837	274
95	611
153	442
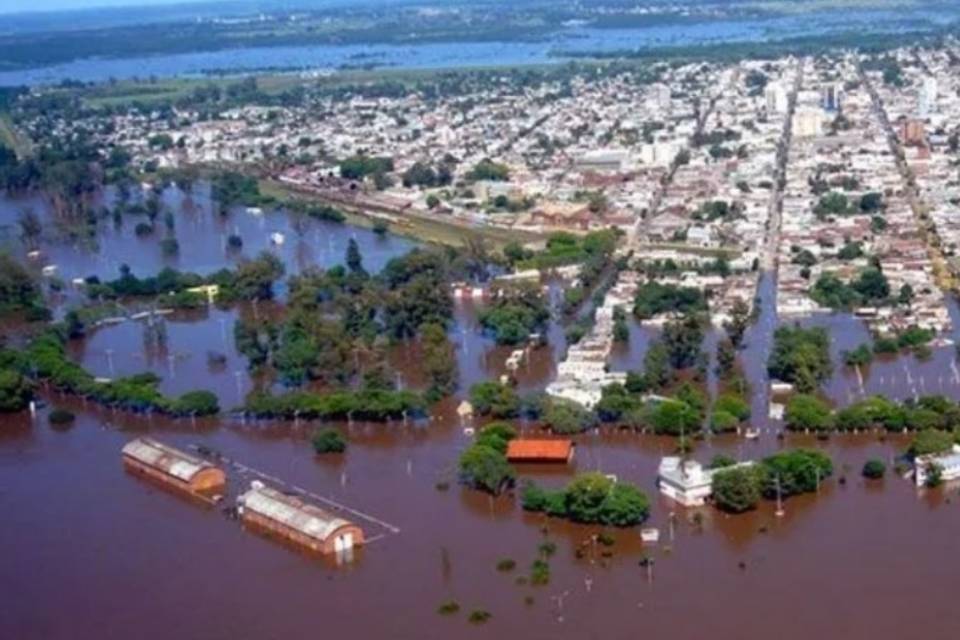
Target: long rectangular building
294	520
172	467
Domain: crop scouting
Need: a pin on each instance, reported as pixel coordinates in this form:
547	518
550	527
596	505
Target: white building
808	122
927	99
948	464
686	481
776	98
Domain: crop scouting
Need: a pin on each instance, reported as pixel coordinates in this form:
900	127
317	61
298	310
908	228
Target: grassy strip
434	231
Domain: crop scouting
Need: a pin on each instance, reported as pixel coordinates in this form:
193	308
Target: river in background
551	49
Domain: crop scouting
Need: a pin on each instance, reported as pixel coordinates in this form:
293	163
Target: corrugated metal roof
292	512
172	461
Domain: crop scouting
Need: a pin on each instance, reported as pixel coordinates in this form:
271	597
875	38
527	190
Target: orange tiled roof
528	450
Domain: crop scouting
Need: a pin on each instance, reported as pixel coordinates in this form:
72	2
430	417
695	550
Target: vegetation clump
874	469
448	608
483	465
517	312
16	391
590	498
61	417
328	440
801	357
479	616
739	489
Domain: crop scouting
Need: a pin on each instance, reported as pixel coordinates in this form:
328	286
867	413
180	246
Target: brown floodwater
90	551
94	552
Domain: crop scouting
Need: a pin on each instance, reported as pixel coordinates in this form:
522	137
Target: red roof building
521	450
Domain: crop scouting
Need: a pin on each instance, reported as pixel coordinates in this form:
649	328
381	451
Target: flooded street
96	548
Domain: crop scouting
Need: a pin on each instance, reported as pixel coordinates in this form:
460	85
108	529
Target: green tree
808	412
439	360
565	416
736	327
798	471
801	356
16	391
494	399
354	260
930	441
674	417
484	468
682	339
738	489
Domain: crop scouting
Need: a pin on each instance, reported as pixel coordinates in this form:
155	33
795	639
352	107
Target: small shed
524	450
296	521
172	467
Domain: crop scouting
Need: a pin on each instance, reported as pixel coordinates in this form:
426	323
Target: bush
874	469
479	616
328	440
449	607
506	565
723	422
61	417
539	572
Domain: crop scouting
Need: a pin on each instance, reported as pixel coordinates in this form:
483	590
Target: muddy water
93	552
201	233
106	551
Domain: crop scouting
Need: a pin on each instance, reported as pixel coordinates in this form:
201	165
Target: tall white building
808	122
927	99
776	98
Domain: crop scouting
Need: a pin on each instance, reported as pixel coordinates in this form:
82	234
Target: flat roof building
687	481
296	521
947	463
172	467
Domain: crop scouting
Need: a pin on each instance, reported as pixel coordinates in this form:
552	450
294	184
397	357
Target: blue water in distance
466	54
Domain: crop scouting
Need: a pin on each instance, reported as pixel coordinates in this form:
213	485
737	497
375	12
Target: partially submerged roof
174	462
524	449
292	512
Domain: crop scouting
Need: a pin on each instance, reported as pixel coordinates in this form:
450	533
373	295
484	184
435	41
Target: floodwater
570	40
201	233
90	550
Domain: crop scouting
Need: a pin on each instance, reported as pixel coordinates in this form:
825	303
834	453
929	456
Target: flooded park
90	548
